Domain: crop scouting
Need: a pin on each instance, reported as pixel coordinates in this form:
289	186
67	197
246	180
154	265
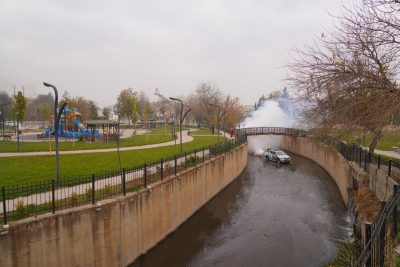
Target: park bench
7	136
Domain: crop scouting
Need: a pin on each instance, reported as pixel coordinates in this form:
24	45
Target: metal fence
381	235
21	201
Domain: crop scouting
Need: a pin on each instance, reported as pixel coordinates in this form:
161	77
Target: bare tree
163	106
348	76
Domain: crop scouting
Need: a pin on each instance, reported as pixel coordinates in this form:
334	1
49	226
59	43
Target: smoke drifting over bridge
270	114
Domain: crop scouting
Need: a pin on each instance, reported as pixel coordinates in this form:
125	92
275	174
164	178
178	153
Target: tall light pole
219	117
181	118
56	121
147	125
14	117
2	113
226	116
18	129
172	125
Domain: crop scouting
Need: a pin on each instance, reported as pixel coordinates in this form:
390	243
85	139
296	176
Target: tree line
42	107
136	106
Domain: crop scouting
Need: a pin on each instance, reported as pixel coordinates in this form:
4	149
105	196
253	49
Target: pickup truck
276	156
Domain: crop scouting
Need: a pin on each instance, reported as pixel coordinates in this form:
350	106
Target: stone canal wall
125	227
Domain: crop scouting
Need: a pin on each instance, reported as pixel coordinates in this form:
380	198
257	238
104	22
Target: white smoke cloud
270	114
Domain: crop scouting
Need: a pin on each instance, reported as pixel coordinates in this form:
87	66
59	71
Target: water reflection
272	215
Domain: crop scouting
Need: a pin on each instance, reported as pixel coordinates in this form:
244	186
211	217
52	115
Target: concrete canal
271	215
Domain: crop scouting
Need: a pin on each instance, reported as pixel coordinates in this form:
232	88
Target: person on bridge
231	132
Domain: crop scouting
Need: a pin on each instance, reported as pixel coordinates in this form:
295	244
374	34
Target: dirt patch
368	204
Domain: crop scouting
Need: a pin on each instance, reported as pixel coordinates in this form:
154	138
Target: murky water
272	215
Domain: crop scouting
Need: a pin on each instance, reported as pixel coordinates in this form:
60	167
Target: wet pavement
272	215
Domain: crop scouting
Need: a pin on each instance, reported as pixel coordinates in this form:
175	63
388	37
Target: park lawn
26	169
139	140
386	143
202	132
161	130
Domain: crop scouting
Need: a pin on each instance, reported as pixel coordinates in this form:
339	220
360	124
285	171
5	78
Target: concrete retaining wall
125	228
380	183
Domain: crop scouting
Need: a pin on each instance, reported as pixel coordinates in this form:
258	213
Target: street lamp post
2	113
56	121
226	116
172	126
148	125
181	118
219	117
18	129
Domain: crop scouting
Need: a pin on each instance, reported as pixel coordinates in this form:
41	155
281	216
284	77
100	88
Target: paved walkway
392	154
132	179
185	139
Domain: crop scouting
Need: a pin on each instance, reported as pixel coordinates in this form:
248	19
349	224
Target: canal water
272	215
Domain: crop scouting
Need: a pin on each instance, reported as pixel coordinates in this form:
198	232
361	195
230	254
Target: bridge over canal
270	131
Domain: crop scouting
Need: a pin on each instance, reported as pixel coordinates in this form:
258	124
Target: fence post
145	175
360	157
209	152
4	203
379	161
215	150
185	162
53	196
123	181
175	164
93	189
162	170
382	237
390	167
369	158
195	156
368	233
365	162
395	212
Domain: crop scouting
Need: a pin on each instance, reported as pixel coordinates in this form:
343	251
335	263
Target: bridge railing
270	131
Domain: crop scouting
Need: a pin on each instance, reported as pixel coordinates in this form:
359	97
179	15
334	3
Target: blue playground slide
71	134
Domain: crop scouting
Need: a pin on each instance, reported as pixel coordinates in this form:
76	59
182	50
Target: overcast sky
96	48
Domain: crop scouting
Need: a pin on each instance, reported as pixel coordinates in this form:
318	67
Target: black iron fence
380	235
21	201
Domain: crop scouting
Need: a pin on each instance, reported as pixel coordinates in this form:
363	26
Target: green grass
202	132
24	169
161	130
139	140
386	143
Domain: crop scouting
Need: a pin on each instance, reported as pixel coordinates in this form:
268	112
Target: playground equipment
75	131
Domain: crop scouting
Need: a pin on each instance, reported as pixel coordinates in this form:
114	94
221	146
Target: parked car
276	156
11	123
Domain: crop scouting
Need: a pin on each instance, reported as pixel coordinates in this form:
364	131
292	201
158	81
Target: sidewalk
385	153
185	139
65	192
